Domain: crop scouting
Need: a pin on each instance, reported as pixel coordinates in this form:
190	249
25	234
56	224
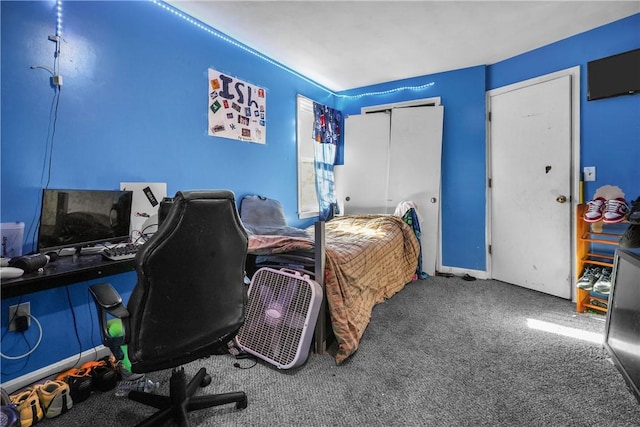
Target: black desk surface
64	271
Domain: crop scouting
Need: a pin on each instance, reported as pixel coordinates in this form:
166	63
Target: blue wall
133	108
462	93
609	128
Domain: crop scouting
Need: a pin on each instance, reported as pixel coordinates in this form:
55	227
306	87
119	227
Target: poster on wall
237	109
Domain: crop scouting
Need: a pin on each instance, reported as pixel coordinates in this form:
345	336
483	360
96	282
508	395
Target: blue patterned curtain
326	133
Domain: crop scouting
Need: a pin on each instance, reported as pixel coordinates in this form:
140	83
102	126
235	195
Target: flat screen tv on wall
614	75
622	330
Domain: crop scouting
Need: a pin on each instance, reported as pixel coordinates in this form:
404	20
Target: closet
393	156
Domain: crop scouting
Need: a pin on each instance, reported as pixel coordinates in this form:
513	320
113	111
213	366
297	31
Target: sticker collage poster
237	110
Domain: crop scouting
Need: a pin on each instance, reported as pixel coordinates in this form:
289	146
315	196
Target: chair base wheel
242	404
206	380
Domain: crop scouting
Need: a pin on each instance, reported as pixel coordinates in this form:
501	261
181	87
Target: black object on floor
441	274
631	237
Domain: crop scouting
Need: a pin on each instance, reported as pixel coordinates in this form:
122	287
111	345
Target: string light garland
233	42
247	49
386	92
59	18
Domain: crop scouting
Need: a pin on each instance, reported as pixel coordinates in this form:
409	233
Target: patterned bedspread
368	259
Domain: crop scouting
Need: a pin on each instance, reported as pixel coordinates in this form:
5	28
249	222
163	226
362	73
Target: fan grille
277	316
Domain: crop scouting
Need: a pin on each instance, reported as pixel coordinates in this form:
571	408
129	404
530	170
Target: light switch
589	173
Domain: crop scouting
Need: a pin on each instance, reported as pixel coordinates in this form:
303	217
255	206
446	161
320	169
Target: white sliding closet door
391	157
414	171
366	161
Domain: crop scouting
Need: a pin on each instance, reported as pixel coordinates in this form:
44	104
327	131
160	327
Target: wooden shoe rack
586	234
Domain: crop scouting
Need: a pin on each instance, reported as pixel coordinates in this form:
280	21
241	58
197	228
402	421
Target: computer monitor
80	218
622	330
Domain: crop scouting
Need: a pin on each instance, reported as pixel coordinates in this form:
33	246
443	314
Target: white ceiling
348	44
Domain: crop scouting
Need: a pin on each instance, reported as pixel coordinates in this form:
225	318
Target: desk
64	271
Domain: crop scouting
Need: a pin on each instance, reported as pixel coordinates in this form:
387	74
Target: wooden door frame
574	73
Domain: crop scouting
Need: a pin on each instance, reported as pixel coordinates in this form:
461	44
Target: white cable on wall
22	356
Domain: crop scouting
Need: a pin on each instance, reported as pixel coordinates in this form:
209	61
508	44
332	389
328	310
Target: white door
414	171
366	163
530	172
391	157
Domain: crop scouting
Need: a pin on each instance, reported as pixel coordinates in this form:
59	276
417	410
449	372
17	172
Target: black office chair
188	303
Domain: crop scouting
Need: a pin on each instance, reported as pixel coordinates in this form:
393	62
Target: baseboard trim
68	363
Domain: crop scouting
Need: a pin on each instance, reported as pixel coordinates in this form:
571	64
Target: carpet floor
442	352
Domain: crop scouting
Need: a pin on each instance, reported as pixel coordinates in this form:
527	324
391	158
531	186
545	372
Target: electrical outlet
23	309
589	173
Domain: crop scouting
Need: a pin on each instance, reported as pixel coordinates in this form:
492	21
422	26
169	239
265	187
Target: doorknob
561	199
433	200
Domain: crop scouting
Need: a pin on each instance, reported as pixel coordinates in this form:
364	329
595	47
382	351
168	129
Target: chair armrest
108	301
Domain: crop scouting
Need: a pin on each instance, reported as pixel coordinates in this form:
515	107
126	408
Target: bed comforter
368	259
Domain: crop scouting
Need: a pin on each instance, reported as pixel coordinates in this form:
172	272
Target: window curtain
326	134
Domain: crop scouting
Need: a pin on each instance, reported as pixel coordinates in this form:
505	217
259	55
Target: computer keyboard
121	251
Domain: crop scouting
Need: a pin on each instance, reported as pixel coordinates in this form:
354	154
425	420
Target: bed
366	259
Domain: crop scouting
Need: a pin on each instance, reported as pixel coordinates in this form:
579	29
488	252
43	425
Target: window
307	198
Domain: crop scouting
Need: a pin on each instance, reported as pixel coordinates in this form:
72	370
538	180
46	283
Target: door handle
433	200
561	199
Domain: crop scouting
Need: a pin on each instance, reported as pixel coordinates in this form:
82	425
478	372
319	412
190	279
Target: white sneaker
603	284
588	278
615	210
55	398
595	210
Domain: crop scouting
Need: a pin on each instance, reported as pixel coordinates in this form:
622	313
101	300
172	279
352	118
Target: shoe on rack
633	216
599	303
28	405
55	398
80	383
615	210
104	373
631	237
595	209
603	284
588	278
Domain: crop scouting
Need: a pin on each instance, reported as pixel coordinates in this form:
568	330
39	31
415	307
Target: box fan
281	316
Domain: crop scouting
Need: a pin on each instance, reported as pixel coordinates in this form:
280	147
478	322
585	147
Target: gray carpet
442	352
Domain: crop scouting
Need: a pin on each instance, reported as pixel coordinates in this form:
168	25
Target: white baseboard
68	363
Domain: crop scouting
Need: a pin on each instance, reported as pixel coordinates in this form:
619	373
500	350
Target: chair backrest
190	297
